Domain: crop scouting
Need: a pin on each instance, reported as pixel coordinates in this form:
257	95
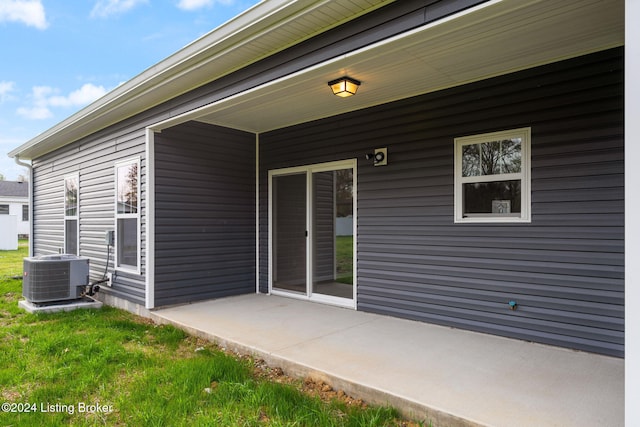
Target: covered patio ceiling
495	38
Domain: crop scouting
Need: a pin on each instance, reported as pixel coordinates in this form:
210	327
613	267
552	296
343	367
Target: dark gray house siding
565	269
205	213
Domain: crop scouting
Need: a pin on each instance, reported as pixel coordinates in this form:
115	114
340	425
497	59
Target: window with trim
25	213
71	219
128	214
492	177
4	209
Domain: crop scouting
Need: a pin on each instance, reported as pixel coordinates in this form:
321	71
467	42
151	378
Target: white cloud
39	110
29	12
35	113
44	97
5	89
198	4
106	8
83	96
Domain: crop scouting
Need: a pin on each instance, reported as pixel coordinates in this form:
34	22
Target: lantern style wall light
344	86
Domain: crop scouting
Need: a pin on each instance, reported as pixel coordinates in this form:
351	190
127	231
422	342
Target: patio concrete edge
372	395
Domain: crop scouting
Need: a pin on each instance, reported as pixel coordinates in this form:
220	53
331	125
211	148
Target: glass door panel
332	233
289	207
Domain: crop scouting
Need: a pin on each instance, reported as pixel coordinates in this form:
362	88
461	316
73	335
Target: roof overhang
494	38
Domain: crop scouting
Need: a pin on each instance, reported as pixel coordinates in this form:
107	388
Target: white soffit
492	39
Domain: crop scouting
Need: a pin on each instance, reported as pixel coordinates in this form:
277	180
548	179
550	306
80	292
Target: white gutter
30	209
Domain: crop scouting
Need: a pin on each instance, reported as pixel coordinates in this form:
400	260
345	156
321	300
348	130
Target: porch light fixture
344	86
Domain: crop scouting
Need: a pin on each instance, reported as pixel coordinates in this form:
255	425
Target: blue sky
58	56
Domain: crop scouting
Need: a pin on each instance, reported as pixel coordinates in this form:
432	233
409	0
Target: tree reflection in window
344	192
71	196
128	189
492	158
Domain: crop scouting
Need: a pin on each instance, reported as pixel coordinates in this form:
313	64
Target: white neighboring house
14	200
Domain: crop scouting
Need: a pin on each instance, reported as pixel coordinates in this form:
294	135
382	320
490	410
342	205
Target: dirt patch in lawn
314	388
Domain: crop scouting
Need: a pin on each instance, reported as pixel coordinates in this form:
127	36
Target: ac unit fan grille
56	277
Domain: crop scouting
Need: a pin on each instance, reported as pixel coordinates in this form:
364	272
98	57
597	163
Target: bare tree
344	192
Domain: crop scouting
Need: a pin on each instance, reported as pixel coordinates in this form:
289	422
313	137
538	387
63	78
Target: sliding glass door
312	225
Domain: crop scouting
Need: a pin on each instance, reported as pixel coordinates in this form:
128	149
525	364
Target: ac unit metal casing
50	278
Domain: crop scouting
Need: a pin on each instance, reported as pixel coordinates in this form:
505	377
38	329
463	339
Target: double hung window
128	214
71	215
492	178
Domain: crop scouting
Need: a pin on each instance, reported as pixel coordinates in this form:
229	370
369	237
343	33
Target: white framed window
71	214
492	177
127	207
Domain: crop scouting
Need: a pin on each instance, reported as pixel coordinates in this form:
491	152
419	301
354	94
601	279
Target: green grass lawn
108	367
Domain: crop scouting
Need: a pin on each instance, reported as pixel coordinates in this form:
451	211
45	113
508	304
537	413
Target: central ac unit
50	278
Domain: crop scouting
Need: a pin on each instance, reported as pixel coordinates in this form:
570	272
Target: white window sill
492	220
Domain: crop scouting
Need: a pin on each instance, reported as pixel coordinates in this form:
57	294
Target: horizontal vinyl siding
205	213
93	159
565	269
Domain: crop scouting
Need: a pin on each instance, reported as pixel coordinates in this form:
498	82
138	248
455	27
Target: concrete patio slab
444	375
